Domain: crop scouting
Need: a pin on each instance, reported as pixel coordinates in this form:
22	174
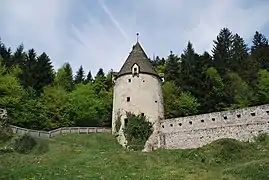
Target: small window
253	114
238	115
180	124
156	101
267	112
162	126
125	121
135	70
129	80
225	117
143	80
128	99
202	120
190	122
171	125
142	114
213	119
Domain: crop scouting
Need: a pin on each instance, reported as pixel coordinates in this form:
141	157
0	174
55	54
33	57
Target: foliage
6	132
39	97
89	153
24	144
137	130
118	122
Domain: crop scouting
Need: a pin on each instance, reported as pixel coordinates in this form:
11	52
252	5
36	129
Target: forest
36	96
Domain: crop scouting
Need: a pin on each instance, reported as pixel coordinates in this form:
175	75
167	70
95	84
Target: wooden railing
63	130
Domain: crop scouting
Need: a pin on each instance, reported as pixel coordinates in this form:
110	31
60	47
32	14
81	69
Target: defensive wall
196	131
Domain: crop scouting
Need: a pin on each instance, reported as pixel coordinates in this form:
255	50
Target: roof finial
137	35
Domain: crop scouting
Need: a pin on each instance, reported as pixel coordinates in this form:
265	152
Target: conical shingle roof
139	57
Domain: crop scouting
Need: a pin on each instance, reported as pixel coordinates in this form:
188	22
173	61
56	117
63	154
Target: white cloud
100	33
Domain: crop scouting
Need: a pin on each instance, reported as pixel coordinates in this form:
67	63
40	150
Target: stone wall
196	131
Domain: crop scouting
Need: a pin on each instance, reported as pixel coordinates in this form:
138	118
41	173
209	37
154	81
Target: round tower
137	89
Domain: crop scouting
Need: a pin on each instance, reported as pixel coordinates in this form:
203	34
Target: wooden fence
63	130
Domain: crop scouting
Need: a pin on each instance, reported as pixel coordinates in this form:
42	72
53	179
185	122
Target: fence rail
63	130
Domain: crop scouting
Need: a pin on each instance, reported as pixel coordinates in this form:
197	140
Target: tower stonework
137	89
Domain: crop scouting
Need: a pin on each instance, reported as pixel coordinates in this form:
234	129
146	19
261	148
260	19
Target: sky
100	33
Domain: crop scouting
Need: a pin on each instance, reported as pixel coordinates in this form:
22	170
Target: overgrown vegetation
137	130
224	159
118	123
36	96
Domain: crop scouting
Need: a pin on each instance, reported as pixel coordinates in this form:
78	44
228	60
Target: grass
98	156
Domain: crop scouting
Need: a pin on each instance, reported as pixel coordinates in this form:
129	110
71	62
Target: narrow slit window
190	122
129	80
180	124
128	99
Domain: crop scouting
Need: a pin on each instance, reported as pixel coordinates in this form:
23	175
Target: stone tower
137	89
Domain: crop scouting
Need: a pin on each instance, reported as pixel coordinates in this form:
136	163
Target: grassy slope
98	156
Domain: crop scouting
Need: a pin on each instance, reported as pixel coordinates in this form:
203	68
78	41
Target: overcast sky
100	33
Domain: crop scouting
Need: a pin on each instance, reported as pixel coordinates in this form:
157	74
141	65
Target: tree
79	77
239	53
45	72
222	51
64	77
259	41
88	78
56	101
172	67
241	94
11	92
263	86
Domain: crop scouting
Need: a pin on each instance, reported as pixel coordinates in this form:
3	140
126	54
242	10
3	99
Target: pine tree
45	72
239	55
6	55
88	78
79	77
260	50
172	67
30	73
259	41
222	53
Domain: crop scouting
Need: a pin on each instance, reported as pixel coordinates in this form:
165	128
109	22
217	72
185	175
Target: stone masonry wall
196	131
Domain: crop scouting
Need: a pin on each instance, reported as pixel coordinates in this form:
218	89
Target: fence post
78	130
96	129
49	134
87	130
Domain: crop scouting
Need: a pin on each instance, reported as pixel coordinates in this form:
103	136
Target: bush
137	130
6	132
260	138
24	144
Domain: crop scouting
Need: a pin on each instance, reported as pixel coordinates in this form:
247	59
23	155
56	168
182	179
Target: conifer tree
79	77
89	78
172	67
45	71
222	53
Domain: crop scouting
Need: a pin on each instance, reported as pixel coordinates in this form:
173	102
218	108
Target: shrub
260	138
118	123
24	144
6	132
137	130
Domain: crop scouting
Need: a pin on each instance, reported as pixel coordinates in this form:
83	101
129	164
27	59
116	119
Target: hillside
98	156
